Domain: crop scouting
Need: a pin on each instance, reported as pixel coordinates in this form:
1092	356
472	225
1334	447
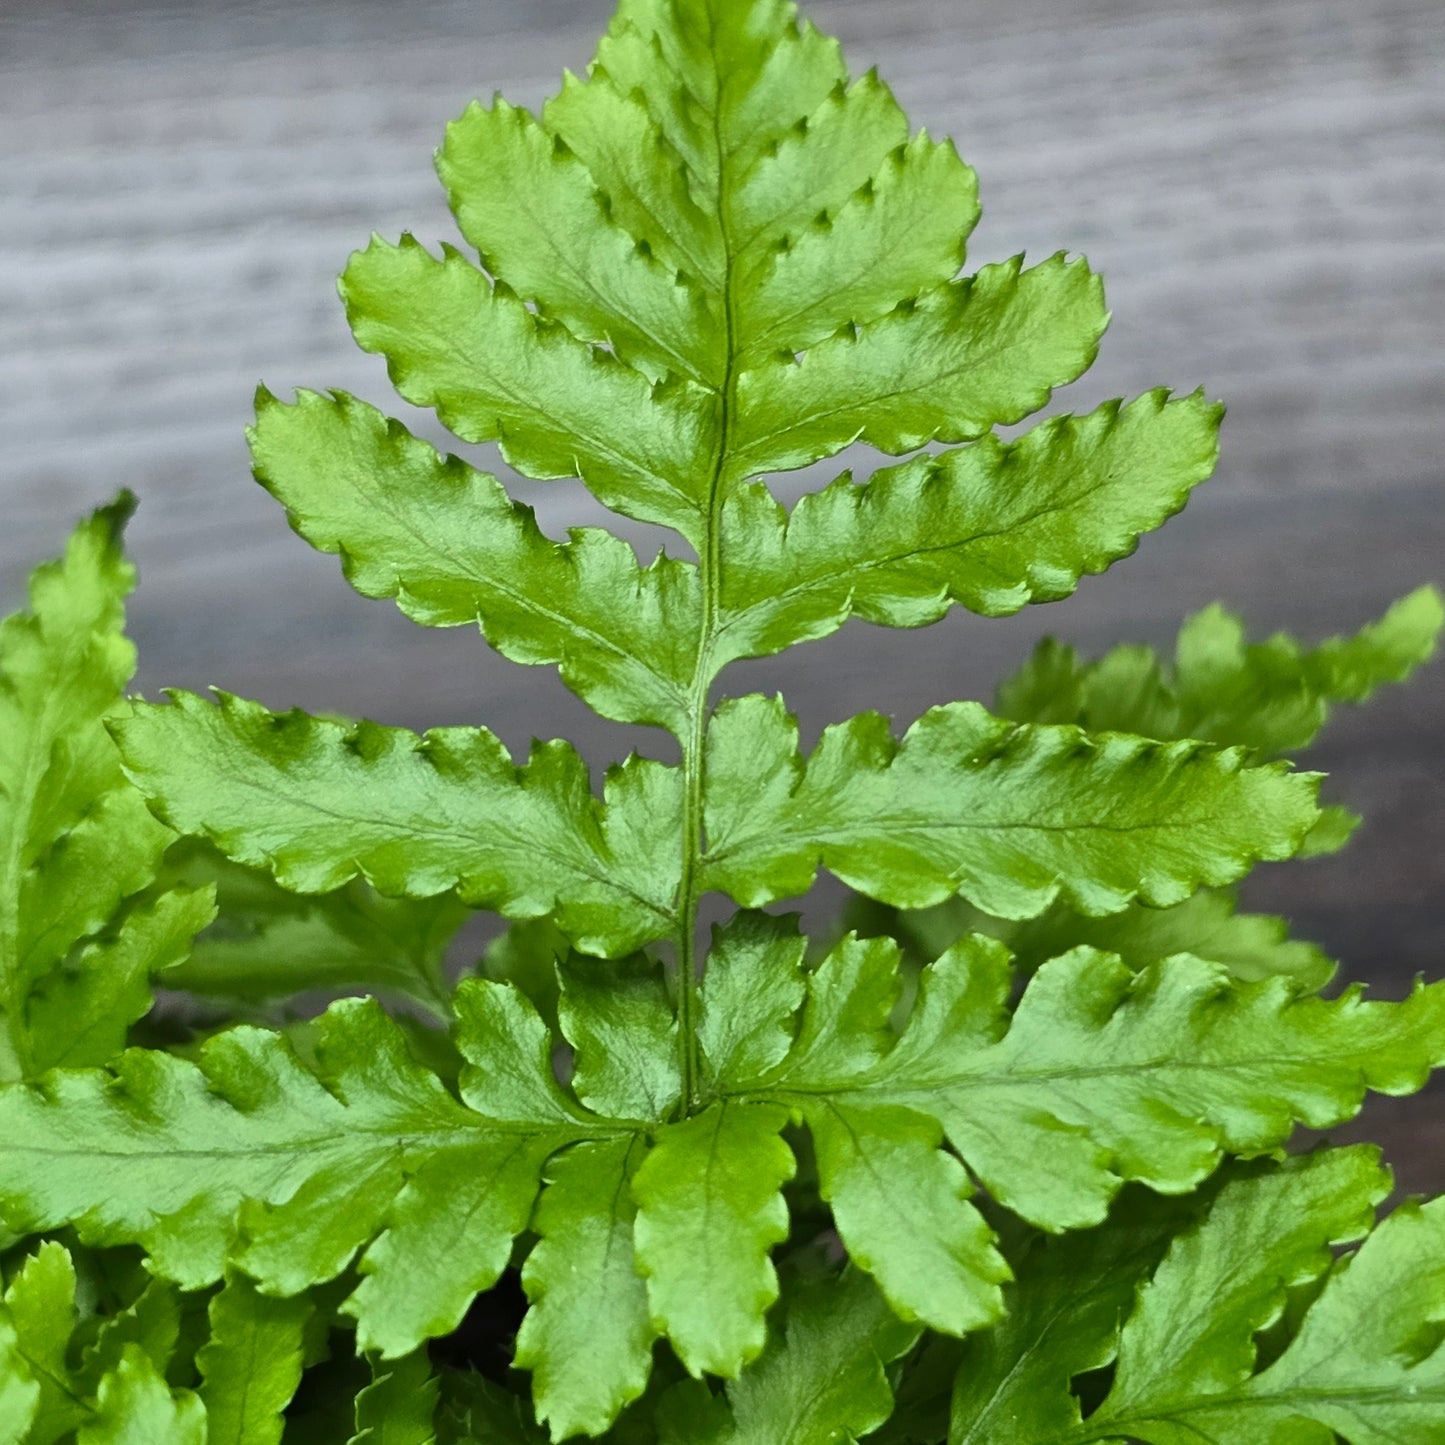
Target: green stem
687	961
694	776
709	566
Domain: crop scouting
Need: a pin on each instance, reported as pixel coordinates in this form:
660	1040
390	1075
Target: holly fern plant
1001	1160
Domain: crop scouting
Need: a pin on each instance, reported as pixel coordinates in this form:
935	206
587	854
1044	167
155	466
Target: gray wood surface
1261	184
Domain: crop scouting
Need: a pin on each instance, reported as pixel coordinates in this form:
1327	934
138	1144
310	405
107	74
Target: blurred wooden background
1262	185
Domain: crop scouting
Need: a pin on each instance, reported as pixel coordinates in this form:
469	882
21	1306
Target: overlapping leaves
90	1348
1294	1344
712	258
1097	1076
649	1226
1272	697
76	840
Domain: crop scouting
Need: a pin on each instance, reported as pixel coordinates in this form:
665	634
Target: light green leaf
1363	1364
268	943
79	1015
1099	1075
899	1203
75	839
963	358
619	1019
251	1365
588	1336
319	803
1273	696
1104	1075
398	1406
557	407
901	232
1010	817
136	1407
1251	946
560	247
448	544
993	526
461	1207
785	219
19	1389
753	988
302	1171
709	1208
929	1249
844	1027
1335	828
1352	669
823	1377
60	1340
38	1317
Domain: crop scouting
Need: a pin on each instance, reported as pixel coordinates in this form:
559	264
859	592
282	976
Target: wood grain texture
1261	184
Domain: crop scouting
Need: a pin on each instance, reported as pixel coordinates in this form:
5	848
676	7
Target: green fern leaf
620	1022
1272	696
251	1365
1009	817
587	1338
1014	1381
709	1208
993	526
978	353
79	1015
453	549
136	1407
303	1172
1361	1362
713	257
823	1377
1099	1075
1252	946
399	1405
268	943
754	987
563	249
19	1389
493	371
75	839
319	804
64	1343
38	1317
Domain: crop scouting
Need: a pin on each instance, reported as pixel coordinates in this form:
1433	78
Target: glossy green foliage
92	1350
1272	697
320	803
1252	946
1295	1344
1010	817
1004	1163
1096	1076
75	841
365	1155
268	943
